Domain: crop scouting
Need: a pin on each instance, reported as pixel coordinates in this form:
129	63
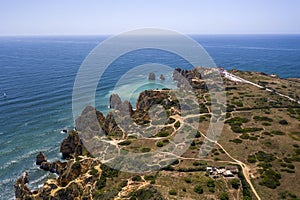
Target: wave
32	182
23	157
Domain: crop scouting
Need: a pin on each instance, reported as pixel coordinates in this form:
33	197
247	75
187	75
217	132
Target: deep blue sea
38	73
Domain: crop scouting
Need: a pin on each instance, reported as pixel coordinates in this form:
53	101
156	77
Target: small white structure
209	169
228	173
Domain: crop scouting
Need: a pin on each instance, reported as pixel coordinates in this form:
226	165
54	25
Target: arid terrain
256	155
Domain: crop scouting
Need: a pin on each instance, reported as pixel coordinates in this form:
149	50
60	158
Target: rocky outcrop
117	104
53	167
149	98
40	158
162	78
21	190
115	101
90	120
189	79
71	146
151	76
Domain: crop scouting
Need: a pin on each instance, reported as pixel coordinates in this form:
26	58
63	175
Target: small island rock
151	76
40	158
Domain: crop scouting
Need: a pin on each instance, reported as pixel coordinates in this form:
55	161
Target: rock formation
40	158
162	77
151	76
71	146
189	79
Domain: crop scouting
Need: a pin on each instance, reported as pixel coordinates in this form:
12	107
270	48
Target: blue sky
90	17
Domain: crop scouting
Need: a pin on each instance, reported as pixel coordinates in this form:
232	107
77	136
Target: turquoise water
38	73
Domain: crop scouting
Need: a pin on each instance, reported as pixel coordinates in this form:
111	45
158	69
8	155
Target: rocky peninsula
259	144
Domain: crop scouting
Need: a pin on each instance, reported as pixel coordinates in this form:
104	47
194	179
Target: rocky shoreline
83	176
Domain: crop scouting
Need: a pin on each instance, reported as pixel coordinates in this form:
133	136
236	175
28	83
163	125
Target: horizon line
112	34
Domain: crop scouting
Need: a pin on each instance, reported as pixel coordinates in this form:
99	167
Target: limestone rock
40	158
71	146
162	77
151	76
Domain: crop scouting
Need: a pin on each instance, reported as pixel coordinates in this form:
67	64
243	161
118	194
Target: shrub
263	118
159	144
145	149
76	165
235	183
93	172
277	133
162	134
175	162
187	180
237	141
251	159
172	192
198	189
171	120
177	124
101	183
283	122
270	178
149	177
125	143
262	156
224	196
266	124
210	183
245	136
237	120
136	178
123	184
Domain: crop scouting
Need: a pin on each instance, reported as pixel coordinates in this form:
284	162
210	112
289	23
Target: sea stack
162	78
40	158
151	76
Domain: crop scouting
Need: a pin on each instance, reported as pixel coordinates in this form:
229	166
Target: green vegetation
224	196
177	124
283	122
125	143
136	178
198	189
237	141
236	123
245	186
173	192
93	172
76	166
251	159
262	156
146	193
187	180
171	120
123	184
258	118
235	183
159	144
277	133
162	134
270	178
211	184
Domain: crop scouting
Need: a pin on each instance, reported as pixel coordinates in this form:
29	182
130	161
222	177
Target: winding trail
244	167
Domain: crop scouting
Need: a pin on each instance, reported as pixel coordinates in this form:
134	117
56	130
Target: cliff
259	138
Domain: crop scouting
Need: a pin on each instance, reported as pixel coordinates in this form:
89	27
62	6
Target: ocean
38	73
